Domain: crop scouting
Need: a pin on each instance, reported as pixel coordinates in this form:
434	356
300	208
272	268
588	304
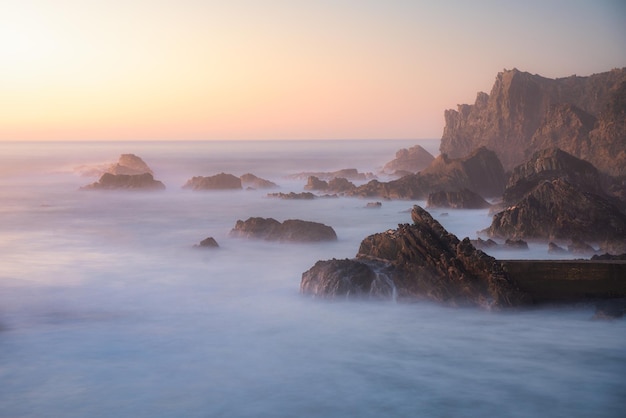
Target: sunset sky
244	69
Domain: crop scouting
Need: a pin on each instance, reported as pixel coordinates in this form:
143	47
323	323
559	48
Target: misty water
108	310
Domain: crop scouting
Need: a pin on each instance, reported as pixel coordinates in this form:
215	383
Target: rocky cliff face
524	113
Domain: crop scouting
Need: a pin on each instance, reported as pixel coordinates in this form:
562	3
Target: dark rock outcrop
209	242
525	113
294	230
220	181
462	199
251	181
129	164
410	160
110	181
418	261
557	210
481	172
314	183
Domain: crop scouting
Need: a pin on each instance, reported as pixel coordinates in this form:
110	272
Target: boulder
421	261
110	181
461	199
220	181
410	160
294	230
557	210
525	113
251	181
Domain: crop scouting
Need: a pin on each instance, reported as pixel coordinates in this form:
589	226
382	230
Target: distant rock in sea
481	172
525	113
251	181
209	242
110	181
293	196
410	160
220	181
346	173
461	199
128	164
292	230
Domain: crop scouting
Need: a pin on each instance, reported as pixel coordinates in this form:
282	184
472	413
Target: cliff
525	113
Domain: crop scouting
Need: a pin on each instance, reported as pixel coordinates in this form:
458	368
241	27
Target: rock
293	230
557	210
525	113
374	205
251	181
418	261
129	164
220	181
578	246
314	183
410	160
607	256
480	172
208	243
340	185
293	196
482	244
517	244
551	164
462	199
110	181
555	249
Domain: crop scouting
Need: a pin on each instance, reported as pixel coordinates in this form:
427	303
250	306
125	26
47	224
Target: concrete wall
568	280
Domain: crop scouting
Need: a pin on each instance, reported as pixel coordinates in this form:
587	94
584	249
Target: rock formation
294	230
525	113
557	210
461	199
480	172
293	196
110	181
220	181
410	160
209	242
418	261
251	181
129	164
346	173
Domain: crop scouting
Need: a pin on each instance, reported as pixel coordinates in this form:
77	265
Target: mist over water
106	309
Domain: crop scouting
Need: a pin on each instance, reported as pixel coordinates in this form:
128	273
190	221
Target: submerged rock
110	181
294	230
417	261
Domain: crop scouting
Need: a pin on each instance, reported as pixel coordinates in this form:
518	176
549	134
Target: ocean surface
108	310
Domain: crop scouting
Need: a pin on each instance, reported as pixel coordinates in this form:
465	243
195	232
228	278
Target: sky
244	69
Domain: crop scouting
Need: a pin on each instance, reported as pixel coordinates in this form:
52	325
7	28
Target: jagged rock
524	113
555	249
557	210
294	230
251	181
293	196
314	183
462	199
340	185
220	181
408	161
110	181
547	165
481	172
209	242
347	173
418	261
517	244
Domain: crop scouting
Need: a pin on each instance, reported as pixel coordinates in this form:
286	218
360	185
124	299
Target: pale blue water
107	310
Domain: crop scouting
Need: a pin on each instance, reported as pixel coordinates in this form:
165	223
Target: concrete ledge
568	280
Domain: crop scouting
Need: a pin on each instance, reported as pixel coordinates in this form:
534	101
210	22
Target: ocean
108	310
